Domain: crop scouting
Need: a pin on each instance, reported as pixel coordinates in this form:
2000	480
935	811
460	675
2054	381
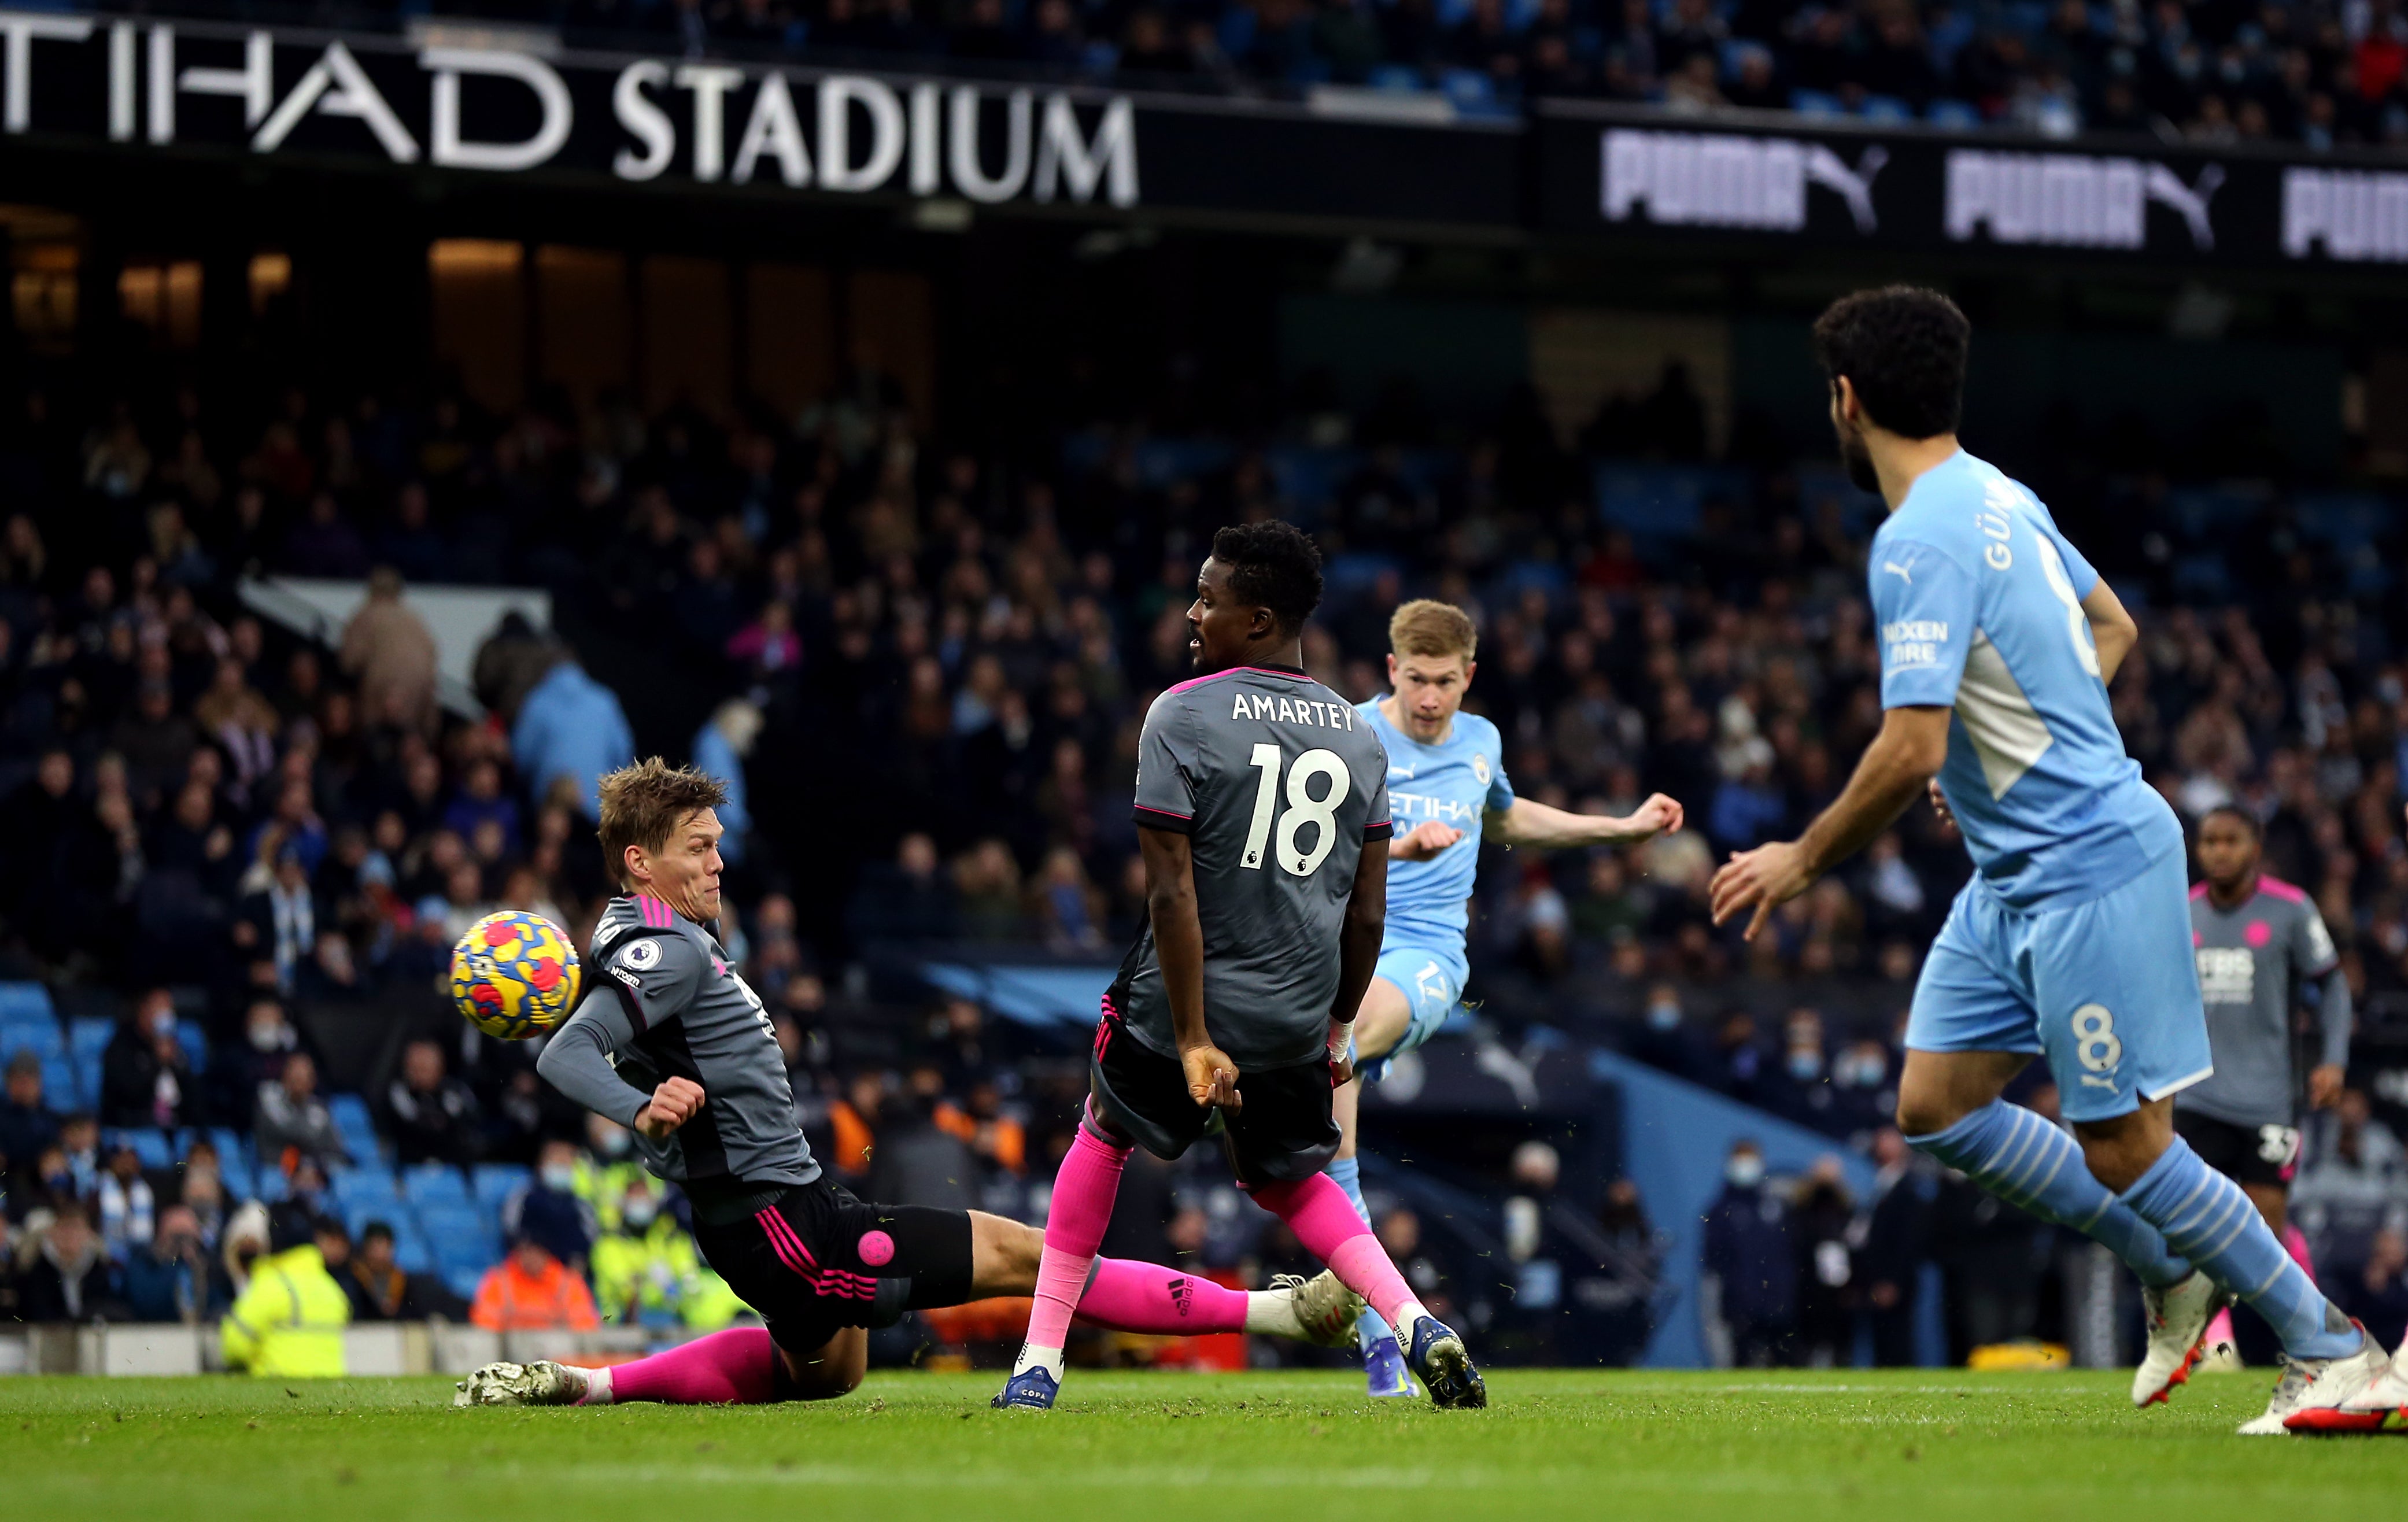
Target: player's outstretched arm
1897	767
1526	823
1179	945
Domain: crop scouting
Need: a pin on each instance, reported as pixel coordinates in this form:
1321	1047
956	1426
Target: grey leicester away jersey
2252	960
690	1015
1280	783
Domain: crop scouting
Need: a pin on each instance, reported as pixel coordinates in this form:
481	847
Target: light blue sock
2016	1155
1347	1173
2207	1218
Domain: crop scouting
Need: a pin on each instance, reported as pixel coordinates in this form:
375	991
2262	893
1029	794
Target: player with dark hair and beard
2072	939
1262	811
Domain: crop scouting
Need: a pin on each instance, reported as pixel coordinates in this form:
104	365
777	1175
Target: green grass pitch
1925	1444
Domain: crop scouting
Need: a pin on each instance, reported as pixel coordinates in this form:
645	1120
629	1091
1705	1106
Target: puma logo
1899	571
1853	186
2188	202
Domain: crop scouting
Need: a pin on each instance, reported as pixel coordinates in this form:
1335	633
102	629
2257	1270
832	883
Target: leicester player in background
2072	938
1262	813
672	1043
2261	944
1446	788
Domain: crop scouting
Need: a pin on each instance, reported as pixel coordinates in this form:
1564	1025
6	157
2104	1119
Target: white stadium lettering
2355	216
2072	200
1729	179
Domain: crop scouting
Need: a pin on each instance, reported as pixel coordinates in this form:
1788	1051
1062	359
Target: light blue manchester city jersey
1979	599
1454	783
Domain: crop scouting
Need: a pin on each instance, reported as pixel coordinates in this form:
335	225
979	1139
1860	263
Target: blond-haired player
1446	787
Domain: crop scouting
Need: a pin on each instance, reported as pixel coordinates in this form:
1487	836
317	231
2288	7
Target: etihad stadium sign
513	102
464	99
163	84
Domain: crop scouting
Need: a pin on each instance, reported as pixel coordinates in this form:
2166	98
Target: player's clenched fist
1211	1077
1658	815
674	1103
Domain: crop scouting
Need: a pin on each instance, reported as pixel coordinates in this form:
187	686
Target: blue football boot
1445	1369
1385	1371
1032	1389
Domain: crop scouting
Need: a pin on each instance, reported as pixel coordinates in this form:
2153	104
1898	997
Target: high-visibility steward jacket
554	1299
289	1322
660	1275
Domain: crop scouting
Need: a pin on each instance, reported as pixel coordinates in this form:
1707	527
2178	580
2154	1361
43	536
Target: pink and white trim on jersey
1235	670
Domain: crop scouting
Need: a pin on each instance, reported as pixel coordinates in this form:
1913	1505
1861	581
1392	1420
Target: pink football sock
1148	1298
1083	1191
733	1368
1323	1220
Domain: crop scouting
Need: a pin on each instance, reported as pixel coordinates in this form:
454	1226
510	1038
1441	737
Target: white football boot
542	1383
1322	1308
2176	1317
2313	1389
2381	1406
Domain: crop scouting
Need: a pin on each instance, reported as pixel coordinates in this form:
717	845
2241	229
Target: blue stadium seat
433	1184
90	1036
364	1186
410	1249
38	1035
62	1085
268	1185
1886	108
1955	114
26	1001
1815	103
87	1077
358	1128
1401	78
492	1182
463	1280
460	1225
149	1143
196	1043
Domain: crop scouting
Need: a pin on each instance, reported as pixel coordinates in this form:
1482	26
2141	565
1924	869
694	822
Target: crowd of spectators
231	840
2211	71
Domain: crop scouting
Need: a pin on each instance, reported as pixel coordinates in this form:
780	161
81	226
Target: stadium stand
2310	72
939	654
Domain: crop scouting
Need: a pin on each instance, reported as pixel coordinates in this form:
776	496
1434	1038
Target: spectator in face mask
1664	1038
1750	1295
145	1078
1802	1090
1865	1095
127	1207
239	1069
647	1272
605	1169
549	1212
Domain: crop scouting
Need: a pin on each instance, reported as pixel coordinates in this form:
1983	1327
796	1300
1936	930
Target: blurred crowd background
2209	71
237	857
